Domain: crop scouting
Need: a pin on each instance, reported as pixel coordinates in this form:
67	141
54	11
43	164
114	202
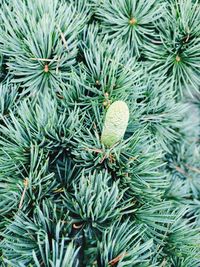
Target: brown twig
188	36
94	150
180	170
57	65
107	156
194	169
63	38
117	259
23	193
104	157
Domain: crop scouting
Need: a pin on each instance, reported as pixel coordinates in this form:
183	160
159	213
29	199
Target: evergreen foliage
67	198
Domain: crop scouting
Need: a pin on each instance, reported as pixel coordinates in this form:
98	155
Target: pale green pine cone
115	124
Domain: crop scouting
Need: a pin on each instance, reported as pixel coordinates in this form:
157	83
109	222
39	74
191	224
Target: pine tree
99	133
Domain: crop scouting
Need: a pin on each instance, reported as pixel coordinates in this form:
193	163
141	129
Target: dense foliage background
67	200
